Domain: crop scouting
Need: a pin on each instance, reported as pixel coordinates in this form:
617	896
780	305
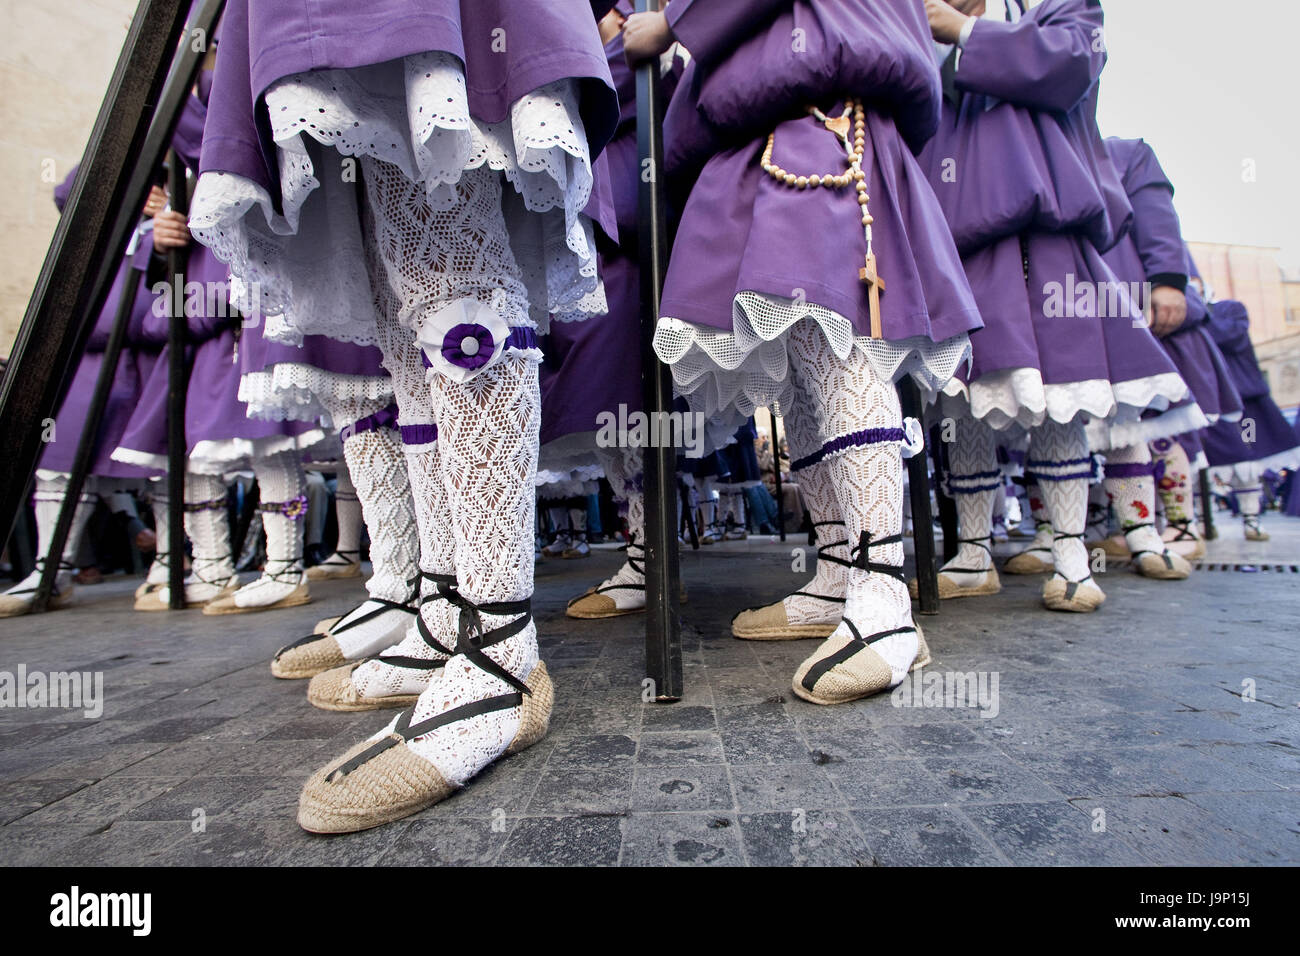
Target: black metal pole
947	507
177	383
918	479
663	641
125	147
88	439
1207	506
776	470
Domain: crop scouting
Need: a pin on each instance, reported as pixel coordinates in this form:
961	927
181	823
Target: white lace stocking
624	469
48	498
347	507
850	398
1056	451
160	503
975	483
1134	499
207	528
382	484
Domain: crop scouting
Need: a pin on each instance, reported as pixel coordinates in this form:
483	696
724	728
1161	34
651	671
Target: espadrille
846	668
1252	530
1115	547
1079	597
1181	539
772	622
1030	561
229	604
333	690
307	657
323	626
379	781
961	583
1162	566
159	597
18	600
339	566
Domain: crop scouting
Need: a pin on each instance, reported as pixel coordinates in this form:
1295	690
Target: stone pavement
1125	737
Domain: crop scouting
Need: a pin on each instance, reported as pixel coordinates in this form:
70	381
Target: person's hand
156	201
645	36
945	20
1168	310
171	230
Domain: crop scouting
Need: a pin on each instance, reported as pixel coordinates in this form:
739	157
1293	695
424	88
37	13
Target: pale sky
1211	84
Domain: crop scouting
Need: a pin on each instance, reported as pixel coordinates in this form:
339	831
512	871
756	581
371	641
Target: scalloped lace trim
416	117
293	391
749	367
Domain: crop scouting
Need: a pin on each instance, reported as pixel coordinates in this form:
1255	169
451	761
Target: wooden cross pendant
875	285
839	125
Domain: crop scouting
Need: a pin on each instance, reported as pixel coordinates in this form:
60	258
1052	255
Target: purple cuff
868	436
419	434
384	418
520	338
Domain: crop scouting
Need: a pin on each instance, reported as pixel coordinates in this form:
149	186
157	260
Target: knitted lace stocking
1131	486
1058	456
624	471
860	412
208	529
160	503
975	483
48	499
378	470
347	506
283	506
821	600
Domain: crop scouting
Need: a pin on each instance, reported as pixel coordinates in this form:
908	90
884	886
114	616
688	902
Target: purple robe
135	364
1032	197
264	41
213	411
741	230
1261	419
592	367
1152	252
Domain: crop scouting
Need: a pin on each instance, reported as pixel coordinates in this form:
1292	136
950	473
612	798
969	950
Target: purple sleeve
1047	61
63	189
1156	229
710	29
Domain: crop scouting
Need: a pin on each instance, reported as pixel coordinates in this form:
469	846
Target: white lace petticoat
413	114
749	367
1018	398
1250	472
296	392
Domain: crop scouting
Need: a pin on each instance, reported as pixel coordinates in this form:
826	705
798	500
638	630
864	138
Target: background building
56	60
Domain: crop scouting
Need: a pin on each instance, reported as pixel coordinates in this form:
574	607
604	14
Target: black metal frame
918	481
150	84
663	642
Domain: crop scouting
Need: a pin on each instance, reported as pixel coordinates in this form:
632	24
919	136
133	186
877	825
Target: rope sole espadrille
1190	548
396	783
1115	547
325	625
861	674
333	572
153	600
1030	562
333	690
18	606
772	623
312	655
1062	595
590	606
1162	567
988	583
226	605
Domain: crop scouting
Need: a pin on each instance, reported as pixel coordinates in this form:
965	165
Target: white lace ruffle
232	454
749	367
290	391
1130	428
412	114
1019	397
567	483
1252	471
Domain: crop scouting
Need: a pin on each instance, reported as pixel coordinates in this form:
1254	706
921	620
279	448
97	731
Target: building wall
56	59
1249	274
1280	361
